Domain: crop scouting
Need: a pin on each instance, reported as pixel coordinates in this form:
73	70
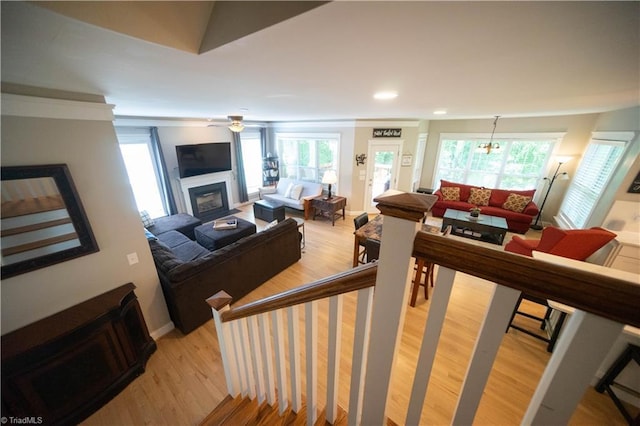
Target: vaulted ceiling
275	61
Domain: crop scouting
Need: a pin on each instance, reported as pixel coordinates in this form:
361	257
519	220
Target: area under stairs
244	411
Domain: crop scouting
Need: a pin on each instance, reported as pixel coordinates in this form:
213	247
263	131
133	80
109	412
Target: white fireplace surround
208	179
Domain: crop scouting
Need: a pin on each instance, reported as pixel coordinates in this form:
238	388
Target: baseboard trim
158	333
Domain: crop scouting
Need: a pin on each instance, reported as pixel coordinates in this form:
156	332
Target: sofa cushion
163	257
450	193
479	197
296	191
146	219
182	247
516	202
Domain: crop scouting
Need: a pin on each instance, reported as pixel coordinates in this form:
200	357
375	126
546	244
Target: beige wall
91	151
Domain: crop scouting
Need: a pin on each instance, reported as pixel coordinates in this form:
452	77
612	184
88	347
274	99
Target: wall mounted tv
200	159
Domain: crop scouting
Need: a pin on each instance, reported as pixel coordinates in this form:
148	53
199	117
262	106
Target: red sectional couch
497	204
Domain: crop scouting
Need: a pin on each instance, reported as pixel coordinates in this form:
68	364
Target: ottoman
213	239
268	210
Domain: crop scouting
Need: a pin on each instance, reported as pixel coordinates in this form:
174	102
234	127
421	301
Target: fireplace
209	202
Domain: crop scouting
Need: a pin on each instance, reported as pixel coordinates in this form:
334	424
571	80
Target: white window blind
595	170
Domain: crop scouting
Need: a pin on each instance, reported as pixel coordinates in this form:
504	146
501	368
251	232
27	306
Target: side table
330	206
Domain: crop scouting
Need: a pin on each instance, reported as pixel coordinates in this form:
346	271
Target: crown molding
31	106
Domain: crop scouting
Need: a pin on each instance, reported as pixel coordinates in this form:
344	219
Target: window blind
594	173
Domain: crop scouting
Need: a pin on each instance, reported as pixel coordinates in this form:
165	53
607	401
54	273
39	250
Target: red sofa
517	221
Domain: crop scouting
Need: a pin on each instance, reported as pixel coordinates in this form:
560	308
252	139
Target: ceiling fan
235	124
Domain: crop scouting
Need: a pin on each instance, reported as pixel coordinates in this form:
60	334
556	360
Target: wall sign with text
387	133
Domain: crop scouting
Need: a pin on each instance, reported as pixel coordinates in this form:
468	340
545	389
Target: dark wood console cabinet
63	368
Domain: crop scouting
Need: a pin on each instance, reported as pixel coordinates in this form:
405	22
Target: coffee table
490	229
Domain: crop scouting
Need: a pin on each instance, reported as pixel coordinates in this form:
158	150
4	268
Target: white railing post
435	320
496	320
311	337
586	340
395	268
267	362
361	335
277	326
334	349
293	324
227	351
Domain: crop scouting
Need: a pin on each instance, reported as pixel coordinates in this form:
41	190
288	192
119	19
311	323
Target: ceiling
473	59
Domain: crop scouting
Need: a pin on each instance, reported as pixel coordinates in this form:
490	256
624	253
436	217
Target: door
382	170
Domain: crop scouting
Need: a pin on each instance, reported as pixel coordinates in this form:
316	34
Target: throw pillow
516	203
287	193
450	193
479	197
296	192
146	219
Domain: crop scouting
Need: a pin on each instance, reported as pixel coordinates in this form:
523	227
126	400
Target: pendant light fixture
491	146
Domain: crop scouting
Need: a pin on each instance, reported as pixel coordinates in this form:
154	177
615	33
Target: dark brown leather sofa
237	269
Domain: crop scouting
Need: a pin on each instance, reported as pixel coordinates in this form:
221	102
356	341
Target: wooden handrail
344	282
608	297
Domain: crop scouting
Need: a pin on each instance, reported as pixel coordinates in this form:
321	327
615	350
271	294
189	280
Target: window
592	177
518	164
307	156
135	146
252	159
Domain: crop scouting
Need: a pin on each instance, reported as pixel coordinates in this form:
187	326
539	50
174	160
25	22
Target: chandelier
491	146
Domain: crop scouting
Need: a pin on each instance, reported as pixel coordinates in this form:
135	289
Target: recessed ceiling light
385	95
440	112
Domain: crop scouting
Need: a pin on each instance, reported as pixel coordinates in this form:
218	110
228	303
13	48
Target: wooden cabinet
270	171
331	207
63	368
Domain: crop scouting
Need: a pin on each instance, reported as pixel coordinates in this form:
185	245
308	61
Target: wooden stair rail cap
612	298
404	205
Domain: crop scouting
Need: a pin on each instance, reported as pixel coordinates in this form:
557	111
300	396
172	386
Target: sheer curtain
164	181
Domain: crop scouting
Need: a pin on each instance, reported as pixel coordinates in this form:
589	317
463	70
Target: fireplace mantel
200	180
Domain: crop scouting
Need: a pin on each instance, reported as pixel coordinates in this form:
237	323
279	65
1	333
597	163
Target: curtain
263	141
242	181
166	192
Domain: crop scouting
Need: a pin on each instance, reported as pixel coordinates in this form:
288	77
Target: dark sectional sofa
189	273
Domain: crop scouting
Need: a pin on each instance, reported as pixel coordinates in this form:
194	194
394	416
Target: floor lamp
556	175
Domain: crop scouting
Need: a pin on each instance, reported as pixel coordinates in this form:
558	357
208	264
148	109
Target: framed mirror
42	221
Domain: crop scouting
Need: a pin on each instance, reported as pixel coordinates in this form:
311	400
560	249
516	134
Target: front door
382	170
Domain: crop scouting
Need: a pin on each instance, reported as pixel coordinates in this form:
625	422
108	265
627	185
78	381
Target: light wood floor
184	381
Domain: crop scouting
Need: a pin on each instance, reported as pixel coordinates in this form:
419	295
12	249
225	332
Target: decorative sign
634	188
387	133
406	160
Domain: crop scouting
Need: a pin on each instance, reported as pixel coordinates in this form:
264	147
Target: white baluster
311	337
495	321
393	283
361	336
333	356
277	326
256	358
267	361
585	341
248	364
226	351
435	320
240	357
293	320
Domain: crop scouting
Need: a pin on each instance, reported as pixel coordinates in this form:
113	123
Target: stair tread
227	406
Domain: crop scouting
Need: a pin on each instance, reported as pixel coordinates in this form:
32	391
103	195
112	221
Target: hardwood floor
184	380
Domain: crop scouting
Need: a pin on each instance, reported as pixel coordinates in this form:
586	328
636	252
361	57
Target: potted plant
475	211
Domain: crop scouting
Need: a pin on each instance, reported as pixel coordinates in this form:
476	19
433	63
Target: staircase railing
604	304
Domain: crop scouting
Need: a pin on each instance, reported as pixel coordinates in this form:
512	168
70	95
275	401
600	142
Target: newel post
219	303
403	215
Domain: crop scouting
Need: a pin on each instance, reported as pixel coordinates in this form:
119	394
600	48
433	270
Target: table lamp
329	178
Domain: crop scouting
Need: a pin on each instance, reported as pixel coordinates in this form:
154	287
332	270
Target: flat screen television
200	159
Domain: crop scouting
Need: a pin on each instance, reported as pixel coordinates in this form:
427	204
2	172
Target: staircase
244	411
262	346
